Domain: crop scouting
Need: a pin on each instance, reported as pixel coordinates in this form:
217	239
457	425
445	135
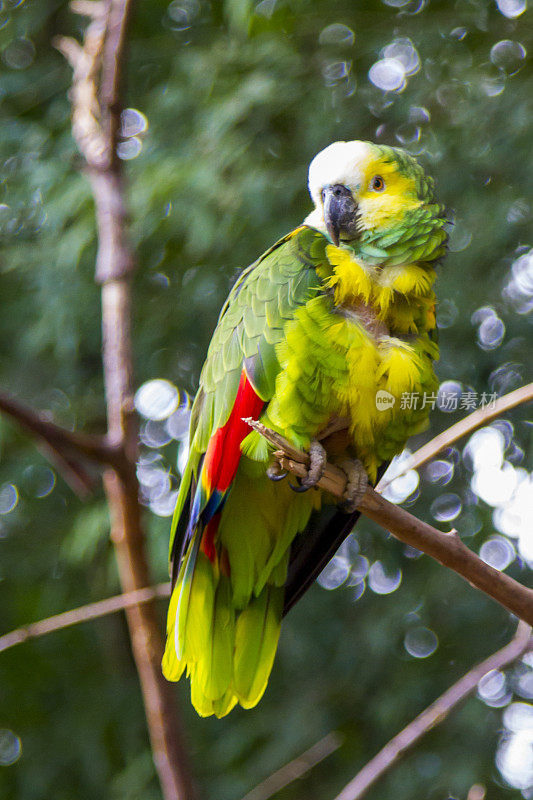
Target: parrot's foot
317	463
356	484
275	472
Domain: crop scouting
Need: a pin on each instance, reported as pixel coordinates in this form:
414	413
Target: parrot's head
367	191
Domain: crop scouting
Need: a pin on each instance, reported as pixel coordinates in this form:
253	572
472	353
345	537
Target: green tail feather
195	607
256	640
172	667
214	670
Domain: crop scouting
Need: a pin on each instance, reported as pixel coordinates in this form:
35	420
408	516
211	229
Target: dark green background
238	100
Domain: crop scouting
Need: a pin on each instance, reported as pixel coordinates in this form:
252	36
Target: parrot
337	313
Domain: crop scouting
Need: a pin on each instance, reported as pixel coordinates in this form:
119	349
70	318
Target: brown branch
434	714
96	105
447	548
82	614
72	471
63	448
93	9
448	437
61	440
296	768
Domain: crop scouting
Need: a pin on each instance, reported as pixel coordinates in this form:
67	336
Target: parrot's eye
377	183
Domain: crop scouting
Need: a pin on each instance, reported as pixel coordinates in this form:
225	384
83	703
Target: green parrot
334	316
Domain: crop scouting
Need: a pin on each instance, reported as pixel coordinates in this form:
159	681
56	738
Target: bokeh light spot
9	497
495	486
383	581
485	448
446	507
492	689
335	573
337	34
388	74
420	642
39	481
511	8
404	51
490	333
156	399
498	552
514	757
10	747
129	148
183	13
132	123
449	396
447	313
439	472
19	54
508	55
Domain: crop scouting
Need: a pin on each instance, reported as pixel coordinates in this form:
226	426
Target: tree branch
73	472
434	714
96	109
448	437
61	440
82	614
447	548
296	768
64	448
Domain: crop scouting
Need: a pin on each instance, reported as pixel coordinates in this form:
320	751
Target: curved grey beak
340	212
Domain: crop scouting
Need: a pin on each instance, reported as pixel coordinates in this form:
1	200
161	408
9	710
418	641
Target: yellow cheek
383	208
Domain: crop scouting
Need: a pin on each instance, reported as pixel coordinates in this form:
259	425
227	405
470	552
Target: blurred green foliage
238	97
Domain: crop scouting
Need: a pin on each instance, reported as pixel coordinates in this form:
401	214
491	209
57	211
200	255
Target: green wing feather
250	325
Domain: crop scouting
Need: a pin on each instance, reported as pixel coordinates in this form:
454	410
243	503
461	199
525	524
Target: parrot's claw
356	485
299	488
317	463
275	473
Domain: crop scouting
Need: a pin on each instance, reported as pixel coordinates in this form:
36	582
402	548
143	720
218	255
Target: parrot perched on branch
339	310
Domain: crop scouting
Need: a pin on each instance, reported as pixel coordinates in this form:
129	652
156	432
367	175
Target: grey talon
279	477
299	489
357	482
274	472
317	463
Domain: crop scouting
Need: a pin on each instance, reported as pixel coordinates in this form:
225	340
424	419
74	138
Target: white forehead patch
340	162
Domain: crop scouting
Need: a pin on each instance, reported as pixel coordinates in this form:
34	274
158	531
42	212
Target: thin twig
447	548
82	614
451	435
296	768
434	714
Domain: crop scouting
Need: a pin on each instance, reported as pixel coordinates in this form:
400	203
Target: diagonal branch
82	614
451	435
73	471
63	448
296	768
434	715
447	548
61	440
